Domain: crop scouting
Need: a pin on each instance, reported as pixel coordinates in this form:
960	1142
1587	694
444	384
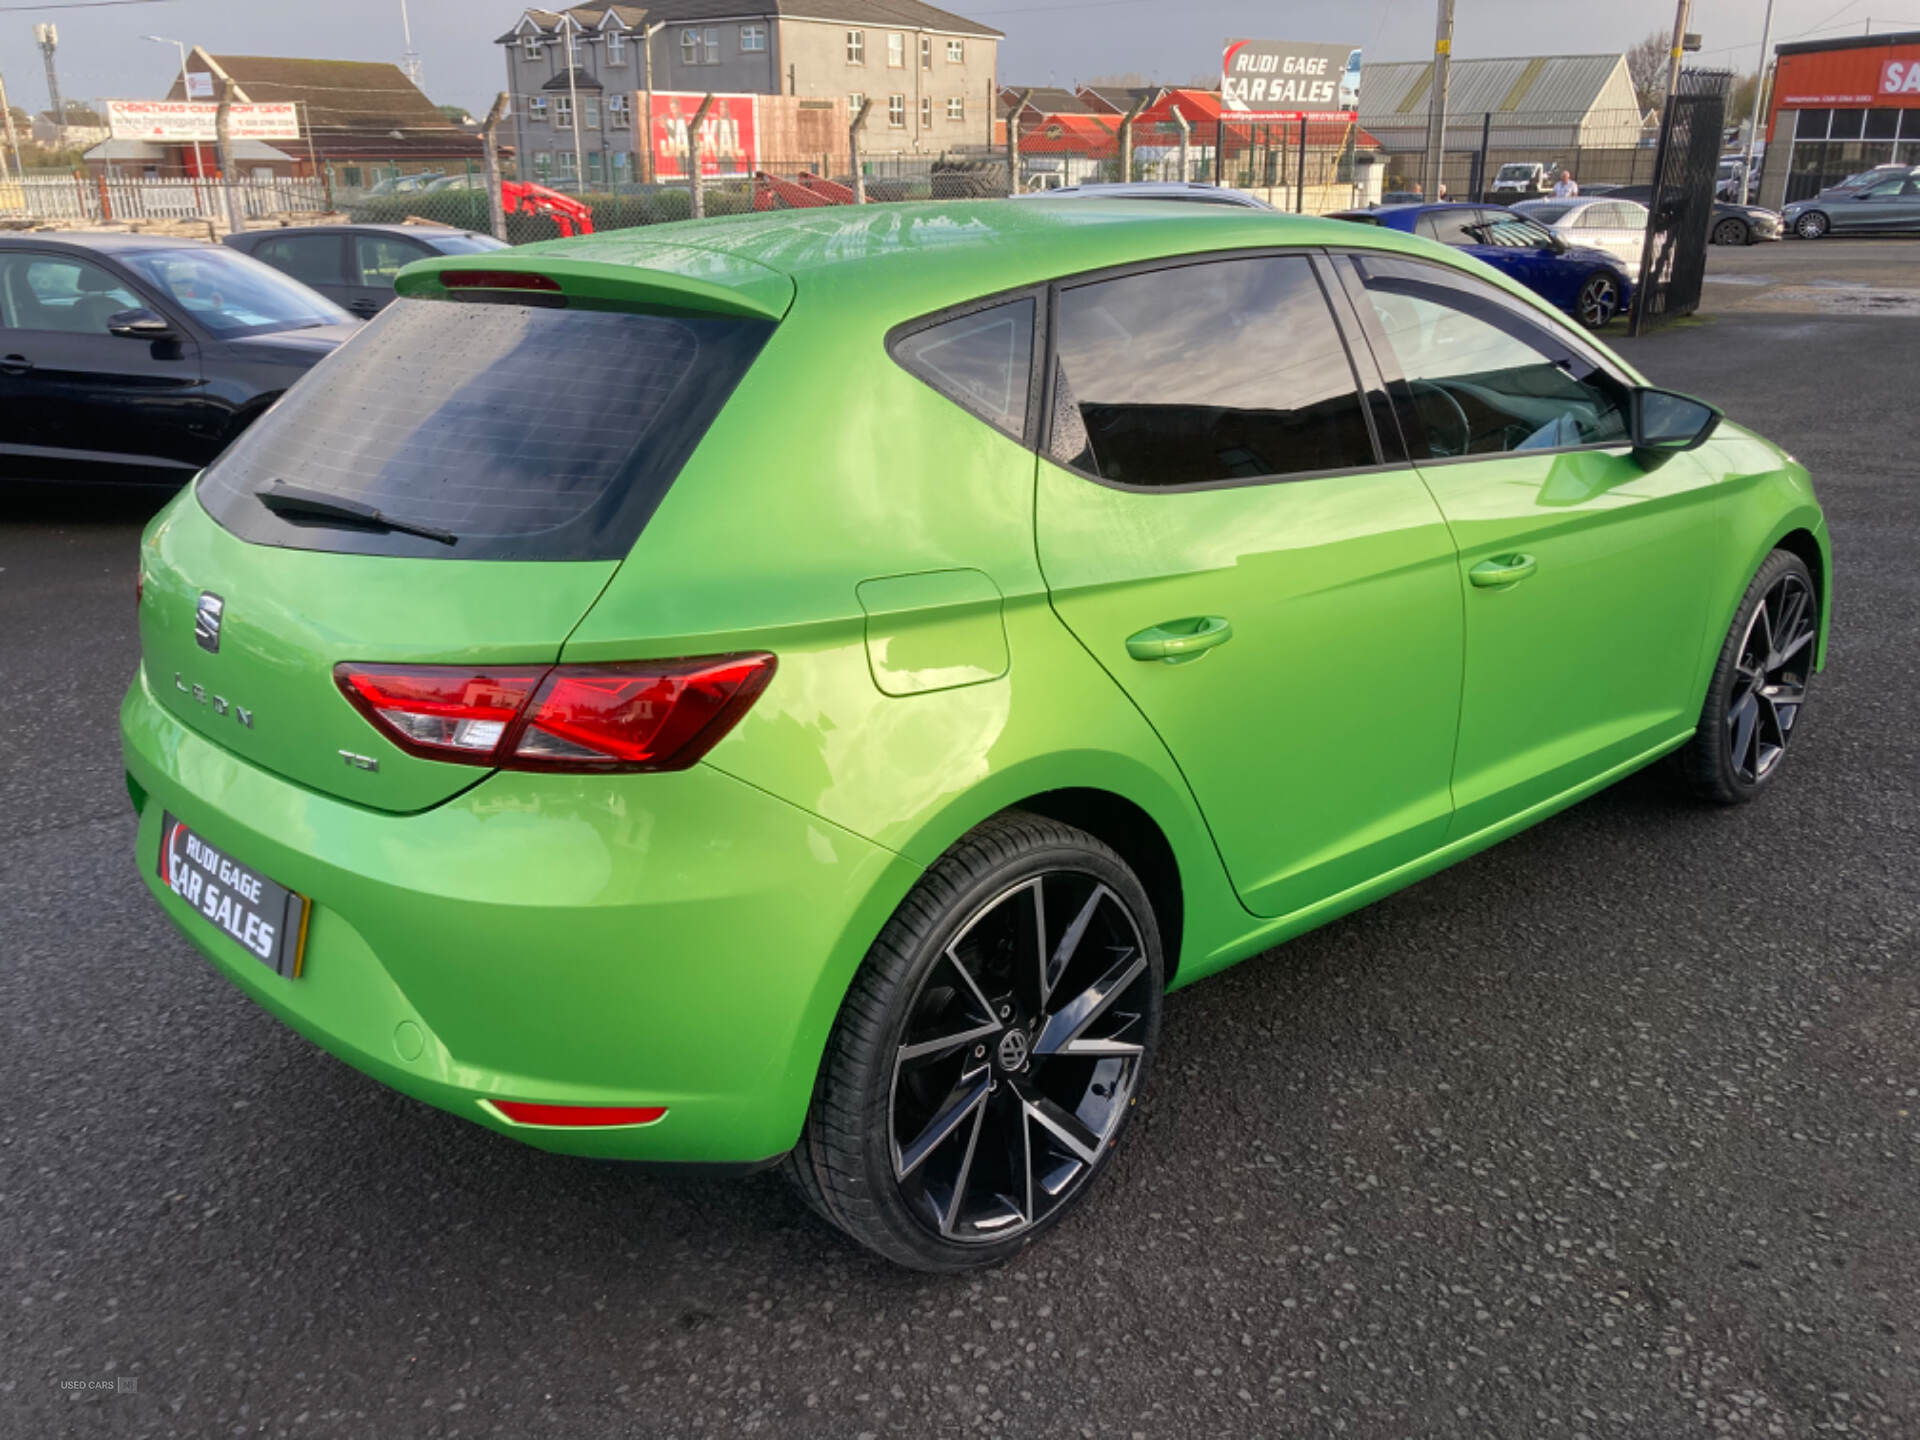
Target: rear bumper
680	940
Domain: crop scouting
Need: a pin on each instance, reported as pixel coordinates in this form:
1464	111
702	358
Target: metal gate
1673	264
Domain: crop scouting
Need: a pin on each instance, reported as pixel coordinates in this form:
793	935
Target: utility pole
573	106
1013	141
853	150
409	57
13	136
1126	139
1437	98
223	148
496	211
1186	134
697	205
1759	92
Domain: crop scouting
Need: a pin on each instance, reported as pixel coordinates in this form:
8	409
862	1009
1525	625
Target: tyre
1730	232
1758	697
989	1049
1810	226
1599	300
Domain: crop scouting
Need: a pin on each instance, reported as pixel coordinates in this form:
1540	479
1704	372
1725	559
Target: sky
101	54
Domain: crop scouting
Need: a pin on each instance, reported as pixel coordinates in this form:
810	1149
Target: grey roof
130	152
880	14
1048	100
1524	86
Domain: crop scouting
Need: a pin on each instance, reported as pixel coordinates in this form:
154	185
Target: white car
1598	222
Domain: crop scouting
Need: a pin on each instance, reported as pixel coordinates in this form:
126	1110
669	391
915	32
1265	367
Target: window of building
563	110
956	108
542	164
622	167
854	102
700	47
926	112
1482	376
711	37
956	52
619	113
1196	374
351	176
926	52
566	163
537	108
896	52
590	111
856	47
616	47
896	112
982	360
530	45
753	39
594	171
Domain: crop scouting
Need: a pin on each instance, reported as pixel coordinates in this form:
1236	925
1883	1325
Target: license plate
262	916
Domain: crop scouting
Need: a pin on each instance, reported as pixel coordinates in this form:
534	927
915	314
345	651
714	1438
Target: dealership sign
729	139
1900	77
186	120
1279	80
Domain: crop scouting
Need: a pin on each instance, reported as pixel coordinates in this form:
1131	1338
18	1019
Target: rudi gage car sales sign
1279	80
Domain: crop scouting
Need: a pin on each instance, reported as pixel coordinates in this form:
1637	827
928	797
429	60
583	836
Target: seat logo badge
206	621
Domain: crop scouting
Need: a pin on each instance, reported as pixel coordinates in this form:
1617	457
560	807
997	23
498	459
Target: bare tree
1647	66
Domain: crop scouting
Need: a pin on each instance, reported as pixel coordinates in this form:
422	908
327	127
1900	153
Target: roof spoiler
673	277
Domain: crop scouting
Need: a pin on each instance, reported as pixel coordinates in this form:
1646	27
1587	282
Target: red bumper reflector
523	1113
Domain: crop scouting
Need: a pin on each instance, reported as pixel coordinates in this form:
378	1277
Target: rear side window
1199	374
312	259
982	360
1450	227
527	433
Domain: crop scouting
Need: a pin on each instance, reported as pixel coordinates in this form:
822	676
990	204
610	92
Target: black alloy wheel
1730	232
1759	690
990	1050
1599	300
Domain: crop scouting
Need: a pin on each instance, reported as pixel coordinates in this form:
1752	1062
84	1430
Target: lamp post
186	91
573	105
1759	90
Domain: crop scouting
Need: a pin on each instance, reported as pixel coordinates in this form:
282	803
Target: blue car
1589	285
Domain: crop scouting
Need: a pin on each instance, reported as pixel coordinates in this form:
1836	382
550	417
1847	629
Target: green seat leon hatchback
801	688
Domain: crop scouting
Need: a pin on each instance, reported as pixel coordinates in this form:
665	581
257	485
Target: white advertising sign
199	85
186	120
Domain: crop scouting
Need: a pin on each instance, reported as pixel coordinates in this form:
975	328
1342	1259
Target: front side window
753	39
381	257
1220	371
1483	377
896	112
1510	232
856	47
62	294
896	51
982	360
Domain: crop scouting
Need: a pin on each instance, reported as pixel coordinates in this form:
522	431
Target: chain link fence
1502	156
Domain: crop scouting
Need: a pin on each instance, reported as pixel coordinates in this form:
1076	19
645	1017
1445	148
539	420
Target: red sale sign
729	142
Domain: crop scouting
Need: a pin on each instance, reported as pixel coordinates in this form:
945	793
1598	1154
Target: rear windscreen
523	432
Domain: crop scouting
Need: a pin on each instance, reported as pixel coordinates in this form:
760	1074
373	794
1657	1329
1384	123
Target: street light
186	91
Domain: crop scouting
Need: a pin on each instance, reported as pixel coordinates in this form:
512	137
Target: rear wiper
297	501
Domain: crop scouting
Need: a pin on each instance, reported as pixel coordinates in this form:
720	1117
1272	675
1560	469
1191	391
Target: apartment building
929	74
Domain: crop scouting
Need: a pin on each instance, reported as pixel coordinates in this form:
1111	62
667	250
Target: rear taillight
647	715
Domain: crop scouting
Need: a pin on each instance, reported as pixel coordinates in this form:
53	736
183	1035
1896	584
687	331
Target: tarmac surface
1611	1131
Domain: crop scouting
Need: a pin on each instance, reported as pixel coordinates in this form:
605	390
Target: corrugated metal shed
1517	87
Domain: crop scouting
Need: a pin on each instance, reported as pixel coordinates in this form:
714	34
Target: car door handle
1174	642
14	365
366	309
1501	571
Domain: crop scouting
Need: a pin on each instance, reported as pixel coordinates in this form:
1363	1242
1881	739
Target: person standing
1564	188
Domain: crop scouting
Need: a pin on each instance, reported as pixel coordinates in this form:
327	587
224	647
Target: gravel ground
1610	1131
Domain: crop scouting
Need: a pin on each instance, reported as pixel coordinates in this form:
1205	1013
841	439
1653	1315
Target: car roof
360	229
1149	190
107	240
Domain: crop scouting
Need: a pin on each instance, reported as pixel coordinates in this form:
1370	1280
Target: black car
1733	223
137	358
354	265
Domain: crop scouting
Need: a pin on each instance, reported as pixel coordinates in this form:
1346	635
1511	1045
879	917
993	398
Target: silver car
1597	222
1883	208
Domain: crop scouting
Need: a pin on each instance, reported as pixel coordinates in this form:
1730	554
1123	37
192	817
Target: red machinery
770	192
520	198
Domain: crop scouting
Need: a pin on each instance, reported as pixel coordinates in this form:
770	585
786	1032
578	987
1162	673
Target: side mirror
139	324
1664	424
1556	244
